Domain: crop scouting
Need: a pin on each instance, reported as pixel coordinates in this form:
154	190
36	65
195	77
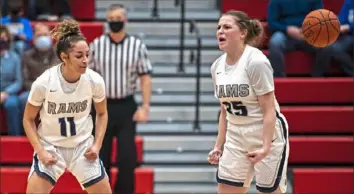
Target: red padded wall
83	10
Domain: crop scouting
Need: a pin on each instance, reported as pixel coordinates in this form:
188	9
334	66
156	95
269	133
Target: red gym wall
83	11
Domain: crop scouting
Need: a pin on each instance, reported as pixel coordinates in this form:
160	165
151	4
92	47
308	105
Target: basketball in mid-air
321	28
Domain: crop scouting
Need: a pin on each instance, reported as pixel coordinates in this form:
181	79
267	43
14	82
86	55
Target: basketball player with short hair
252	136
62	96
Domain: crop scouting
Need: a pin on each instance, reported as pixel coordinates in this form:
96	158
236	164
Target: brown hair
4	29
253	26
66	33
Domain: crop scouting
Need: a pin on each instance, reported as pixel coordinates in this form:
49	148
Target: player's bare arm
101	121
261	73
267	104
29	124
214	155
101	125
221	128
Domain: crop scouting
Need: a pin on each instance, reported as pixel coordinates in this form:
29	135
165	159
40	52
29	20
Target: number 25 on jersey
236	108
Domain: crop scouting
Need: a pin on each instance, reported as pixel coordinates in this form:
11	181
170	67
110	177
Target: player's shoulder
255	56
93	77
255	53
257	60
44	79
90	74
217	62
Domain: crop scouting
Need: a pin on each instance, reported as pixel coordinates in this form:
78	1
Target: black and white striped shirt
120	64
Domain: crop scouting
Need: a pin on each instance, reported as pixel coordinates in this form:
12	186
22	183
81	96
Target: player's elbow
28	121
102	114
101	108
28	117
269	116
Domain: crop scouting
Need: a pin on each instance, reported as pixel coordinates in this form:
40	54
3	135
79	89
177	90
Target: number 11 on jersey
62	122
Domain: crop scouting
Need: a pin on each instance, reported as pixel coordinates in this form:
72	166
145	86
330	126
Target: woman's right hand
46	158
214	155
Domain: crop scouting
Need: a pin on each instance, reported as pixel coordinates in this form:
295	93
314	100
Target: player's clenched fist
46	158
214	155
92	153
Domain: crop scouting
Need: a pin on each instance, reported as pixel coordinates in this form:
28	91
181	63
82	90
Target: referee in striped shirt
121	59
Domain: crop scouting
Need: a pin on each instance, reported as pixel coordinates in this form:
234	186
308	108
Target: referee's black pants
121	125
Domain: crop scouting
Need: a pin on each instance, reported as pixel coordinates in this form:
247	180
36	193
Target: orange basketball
321	28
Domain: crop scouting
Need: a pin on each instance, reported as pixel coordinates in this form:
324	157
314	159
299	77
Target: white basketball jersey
235	88
65	117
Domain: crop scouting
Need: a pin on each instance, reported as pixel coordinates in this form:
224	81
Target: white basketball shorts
237	170
86	172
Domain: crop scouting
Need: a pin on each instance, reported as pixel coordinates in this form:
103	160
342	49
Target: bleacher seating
321	150
308	120
83	11
314	90
258	8
323	180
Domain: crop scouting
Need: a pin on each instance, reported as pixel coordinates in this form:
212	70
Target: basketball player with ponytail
252	133
62	96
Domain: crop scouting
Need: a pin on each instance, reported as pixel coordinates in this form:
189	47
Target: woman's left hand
92	152
257	155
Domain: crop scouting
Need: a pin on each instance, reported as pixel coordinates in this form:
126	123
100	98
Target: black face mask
116	26
4	45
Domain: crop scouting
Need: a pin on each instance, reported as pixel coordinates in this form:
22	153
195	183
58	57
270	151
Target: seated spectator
37	59
339	51
51	10
20	29
285	20
6	4
10	82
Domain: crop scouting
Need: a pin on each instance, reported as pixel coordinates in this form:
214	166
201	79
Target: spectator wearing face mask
37	59
10	83
19	27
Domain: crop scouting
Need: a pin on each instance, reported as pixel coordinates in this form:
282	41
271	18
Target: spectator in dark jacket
10	82
339	51
285	20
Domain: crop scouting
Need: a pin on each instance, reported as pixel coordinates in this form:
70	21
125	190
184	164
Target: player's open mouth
222	39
